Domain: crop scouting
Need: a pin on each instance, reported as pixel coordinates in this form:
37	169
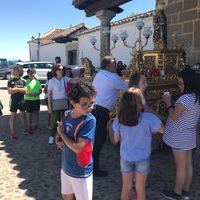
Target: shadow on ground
36	162
30	169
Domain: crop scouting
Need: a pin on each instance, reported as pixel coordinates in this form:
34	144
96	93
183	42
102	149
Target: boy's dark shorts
17	105
32	106
46	101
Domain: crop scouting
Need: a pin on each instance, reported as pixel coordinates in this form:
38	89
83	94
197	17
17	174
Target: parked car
12	61
3	67
6	66
41	69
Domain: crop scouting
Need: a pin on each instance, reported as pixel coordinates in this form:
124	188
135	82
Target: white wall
48	52
87	50
120	52
33	51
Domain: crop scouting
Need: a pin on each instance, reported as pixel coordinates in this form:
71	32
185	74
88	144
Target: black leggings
102	117
56	116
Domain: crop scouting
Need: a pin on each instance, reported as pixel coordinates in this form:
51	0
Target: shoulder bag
60	104
83	157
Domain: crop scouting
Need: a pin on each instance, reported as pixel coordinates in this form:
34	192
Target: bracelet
172	106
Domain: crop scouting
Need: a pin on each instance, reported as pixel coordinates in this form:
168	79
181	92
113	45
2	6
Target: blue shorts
135	167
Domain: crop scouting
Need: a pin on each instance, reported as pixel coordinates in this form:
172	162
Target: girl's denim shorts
142	166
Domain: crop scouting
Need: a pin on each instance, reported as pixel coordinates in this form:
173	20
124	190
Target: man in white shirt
107	85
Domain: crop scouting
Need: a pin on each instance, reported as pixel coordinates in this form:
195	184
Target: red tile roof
51	34
57	33
70	31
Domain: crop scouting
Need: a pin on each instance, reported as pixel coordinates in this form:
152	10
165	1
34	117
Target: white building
57	42
121	53
74	43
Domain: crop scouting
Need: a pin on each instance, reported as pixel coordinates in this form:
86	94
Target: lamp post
114	39
38	50
138	46
30	52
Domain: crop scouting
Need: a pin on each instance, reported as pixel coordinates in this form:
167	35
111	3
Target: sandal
30	130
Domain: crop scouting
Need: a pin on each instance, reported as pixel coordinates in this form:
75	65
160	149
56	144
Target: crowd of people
78	114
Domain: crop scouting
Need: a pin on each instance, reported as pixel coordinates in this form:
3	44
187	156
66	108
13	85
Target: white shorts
81	187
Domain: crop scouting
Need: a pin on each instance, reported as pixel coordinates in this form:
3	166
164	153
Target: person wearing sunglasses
76	132
57	98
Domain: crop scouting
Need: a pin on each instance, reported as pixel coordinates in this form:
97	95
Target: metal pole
38	56
140	40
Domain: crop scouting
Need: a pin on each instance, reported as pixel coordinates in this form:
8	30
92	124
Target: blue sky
21	19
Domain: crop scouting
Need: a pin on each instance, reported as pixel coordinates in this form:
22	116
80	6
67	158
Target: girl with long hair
134	128
181	130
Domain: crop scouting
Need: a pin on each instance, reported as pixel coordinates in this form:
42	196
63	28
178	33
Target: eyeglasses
87	105
59	69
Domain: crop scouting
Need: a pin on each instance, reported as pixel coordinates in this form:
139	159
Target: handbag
59	104
83	157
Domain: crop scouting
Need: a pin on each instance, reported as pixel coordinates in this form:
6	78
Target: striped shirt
181	133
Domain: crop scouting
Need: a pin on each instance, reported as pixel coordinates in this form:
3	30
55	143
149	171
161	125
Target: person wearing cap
57	98
107	84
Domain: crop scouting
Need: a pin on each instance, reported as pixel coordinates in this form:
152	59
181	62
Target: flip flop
14	136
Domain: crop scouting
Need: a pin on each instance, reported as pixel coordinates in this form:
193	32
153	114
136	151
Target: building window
72	57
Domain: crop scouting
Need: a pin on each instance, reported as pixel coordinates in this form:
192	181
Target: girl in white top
56	91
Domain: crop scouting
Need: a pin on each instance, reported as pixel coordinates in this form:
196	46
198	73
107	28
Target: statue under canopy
160	26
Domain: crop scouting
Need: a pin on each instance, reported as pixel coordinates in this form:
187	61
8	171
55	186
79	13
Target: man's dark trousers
102	117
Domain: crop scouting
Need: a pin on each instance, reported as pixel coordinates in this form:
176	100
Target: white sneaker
51	140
